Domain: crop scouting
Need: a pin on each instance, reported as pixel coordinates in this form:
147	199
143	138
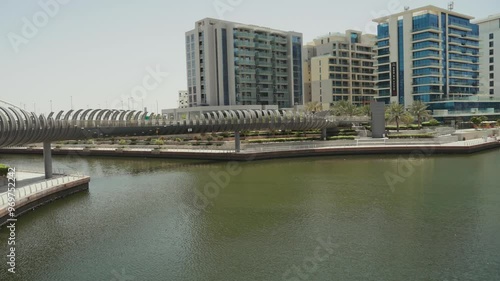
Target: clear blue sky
97	51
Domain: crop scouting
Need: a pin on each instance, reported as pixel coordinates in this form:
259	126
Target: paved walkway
24	179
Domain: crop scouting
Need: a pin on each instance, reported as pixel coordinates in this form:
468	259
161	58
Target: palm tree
344	108
313	107
419	110
407	119
365	110
394	113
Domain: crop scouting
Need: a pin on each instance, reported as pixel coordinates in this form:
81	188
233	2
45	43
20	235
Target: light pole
51	106
157	112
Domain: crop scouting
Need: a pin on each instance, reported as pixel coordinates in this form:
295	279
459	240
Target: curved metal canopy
19	127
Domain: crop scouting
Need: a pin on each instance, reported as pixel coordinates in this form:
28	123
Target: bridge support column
237	142
47	159
323	134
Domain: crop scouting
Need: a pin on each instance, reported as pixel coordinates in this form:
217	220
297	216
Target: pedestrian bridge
20	127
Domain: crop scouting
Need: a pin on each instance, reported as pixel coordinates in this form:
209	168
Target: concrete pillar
47	159
237	142
323	134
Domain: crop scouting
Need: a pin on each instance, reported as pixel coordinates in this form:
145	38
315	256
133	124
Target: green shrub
416	136
4	170
431	123
122	142
159	142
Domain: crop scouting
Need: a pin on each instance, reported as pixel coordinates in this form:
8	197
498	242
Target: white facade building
230	63
183	99
489	32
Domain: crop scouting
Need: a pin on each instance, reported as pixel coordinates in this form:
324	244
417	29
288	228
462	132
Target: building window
491	52
491	35
492	67
492	75
492	91
492	60
492	44
492	83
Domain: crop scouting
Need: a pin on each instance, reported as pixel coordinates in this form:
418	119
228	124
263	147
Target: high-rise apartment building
230	63
427	54
489	33
340	67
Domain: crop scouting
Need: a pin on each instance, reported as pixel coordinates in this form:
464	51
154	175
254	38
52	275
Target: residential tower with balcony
230	63
427	54
340	67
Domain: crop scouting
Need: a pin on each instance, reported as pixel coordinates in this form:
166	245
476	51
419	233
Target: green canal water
332	218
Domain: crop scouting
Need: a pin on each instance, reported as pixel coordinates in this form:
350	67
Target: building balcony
281	74
430	65
245	71
434	57
265	38
247	44
245	80
264	64
462	44
283	83
263	46
281	91
463	60
432	48
463	35
267	81
245	62
242	34
264	72
281	49
426	29
281	65
280	57
244	53
280	40
267	55
247	89
459	26
381	56
265	90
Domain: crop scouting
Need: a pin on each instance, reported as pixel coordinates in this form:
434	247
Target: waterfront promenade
33	190
263	151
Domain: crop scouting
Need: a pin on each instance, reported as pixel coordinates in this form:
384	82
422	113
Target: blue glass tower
427	54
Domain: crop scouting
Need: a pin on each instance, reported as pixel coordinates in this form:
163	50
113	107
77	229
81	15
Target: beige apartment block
340	67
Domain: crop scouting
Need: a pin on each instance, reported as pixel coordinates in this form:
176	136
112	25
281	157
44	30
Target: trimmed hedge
342	138
419	136
348	134
281	140
4	170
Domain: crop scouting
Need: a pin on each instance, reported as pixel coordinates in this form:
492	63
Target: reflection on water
174	220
